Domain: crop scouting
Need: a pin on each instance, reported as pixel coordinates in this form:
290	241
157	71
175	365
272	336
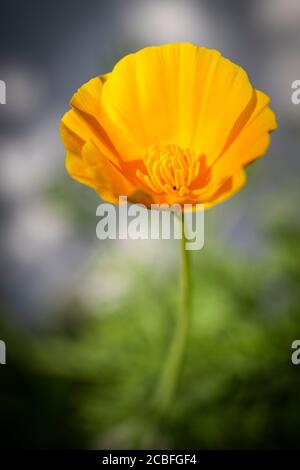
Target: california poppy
170	124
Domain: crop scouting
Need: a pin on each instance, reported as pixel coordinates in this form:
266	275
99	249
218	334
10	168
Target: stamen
170	169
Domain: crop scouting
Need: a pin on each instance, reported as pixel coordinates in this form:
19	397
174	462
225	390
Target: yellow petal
76	168
226	190
251	143
180	93
107	179
87	97
74	163
87	119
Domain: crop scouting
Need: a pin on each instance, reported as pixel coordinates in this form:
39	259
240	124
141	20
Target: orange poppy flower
170	124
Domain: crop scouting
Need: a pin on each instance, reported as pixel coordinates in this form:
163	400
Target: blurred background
87	323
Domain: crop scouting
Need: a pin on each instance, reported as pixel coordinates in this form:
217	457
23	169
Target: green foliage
91	384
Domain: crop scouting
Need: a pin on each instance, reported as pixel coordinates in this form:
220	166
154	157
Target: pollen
169	169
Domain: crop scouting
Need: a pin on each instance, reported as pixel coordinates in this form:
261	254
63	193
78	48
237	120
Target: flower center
170	169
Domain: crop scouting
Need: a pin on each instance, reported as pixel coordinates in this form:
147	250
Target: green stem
175	359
